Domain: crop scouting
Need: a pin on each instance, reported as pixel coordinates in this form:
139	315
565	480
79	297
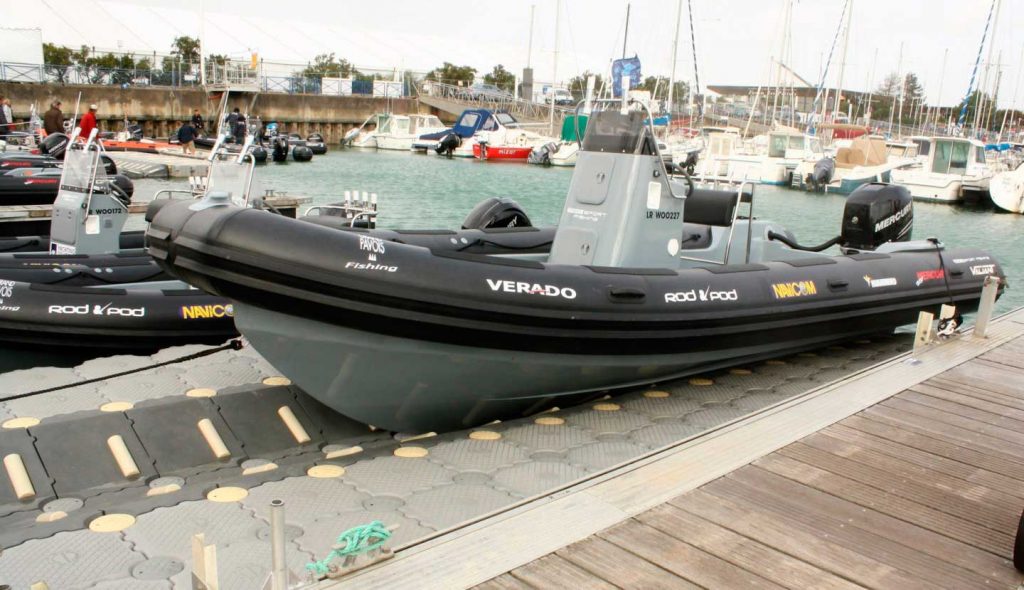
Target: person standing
197	121
186	137
53	119
240	129
88	122
6	116
231	122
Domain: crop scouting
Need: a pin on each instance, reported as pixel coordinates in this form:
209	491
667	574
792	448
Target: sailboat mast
1016	87
625	36
938	101
529	45
554	74
675	51
871	90
202	42
899	72
842	64
978	120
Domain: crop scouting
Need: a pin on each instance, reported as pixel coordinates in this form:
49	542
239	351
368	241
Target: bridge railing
517	107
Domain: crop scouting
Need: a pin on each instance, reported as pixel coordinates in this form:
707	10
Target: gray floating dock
462	476
163	165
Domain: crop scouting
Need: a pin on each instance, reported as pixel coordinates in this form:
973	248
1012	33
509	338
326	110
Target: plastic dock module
274	442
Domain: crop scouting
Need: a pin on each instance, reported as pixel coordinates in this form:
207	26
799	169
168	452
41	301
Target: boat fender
301	153
496	212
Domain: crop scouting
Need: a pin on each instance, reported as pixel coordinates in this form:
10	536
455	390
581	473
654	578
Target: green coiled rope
354	541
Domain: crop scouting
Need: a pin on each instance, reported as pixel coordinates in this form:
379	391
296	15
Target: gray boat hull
410	385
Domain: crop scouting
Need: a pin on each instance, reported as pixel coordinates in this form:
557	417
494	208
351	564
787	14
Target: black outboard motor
689	165
135	132
280	145
877	213
822	174
123	188
542	154
496	212
447	144
108	165
54	145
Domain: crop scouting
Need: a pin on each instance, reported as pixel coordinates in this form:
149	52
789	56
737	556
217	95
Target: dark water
419	191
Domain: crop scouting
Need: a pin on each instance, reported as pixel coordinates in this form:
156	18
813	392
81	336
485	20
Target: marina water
429	192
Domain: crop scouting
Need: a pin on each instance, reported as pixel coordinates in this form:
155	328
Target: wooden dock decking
921	490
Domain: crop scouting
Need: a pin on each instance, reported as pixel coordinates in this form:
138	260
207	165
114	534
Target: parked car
487	92
561	96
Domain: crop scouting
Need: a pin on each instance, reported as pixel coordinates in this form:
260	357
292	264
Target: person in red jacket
88	122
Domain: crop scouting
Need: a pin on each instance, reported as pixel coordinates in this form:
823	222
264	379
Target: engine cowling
877	213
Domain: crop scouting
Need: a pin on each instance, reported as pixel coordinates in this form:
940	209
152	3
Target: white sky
735	38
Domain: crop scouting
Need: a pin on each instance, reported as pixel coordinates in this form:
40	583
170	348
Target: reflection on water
420	191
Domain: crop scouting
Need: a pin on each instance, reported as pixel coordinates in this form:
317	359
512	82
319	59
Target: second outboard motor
54	145
542	154
280	145
496	212
447	144
301	153
689	165
822	174
877	213
108	165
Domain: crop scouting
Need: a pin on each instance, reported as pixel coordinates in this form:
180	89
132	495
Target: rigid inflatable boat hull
411	339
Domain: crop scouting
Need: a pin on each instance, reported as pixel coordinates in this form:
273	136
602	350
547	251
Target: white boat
1007	190
768	159
953	166
857	162
399	131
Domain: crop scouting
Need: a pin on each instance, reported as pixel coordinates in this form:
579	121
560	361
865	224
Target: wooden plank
916	423
987	376
800	506
745	553
881	428
504	582
956	559
620	567
937	463
814	549
552	571
999	409
682	559
1009	358
888	503
977	392
1002	420
1000	520
1012	440
908	471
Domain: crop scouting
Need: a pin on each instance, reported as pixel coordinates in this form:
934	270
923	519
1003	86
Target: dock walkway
908	475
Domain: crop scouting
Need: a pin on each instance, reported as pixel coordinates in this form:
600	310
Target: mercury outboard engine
447	144
280	145
54	145
542	154
877	213
822	174
496	212
689	165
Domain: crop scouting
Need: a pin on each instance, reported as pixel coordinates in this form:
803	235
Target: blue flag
625	67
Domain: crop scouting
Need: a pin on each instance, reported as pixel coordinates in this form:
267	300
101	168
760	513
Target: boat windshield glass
400	125
506	119
611	131
81	169
796	142
923	146
816	146
490	124
469	120
979	154
777	146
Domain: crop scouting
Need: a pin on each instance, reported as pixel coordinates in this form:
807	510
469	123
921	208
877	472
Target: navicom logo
794	289
204	312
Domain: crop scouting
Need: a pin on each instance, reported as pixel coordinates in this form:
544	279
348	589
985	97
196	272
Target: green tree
450	73
187	48
57	59
326	65
501	78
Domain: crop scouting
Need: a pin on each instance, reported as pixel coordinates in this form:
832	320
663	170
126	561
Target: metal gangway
455	99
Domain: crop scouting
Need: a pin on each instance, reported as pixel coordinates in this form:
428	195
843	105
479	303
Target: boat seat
713	207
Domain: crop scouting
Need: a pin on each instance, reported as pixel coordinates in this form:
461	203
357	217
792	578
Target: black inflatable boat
646	279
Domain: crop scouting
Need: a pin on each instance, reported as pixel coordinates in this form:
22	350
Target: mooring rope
970	87
824	74
235	344
354	541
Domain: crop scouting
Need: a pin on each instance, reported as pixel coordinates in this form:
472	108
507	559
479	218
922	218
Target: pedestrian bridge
453	100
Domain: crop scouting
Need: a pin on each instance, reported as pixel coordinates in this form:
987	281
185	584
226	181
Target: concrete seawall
161	110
